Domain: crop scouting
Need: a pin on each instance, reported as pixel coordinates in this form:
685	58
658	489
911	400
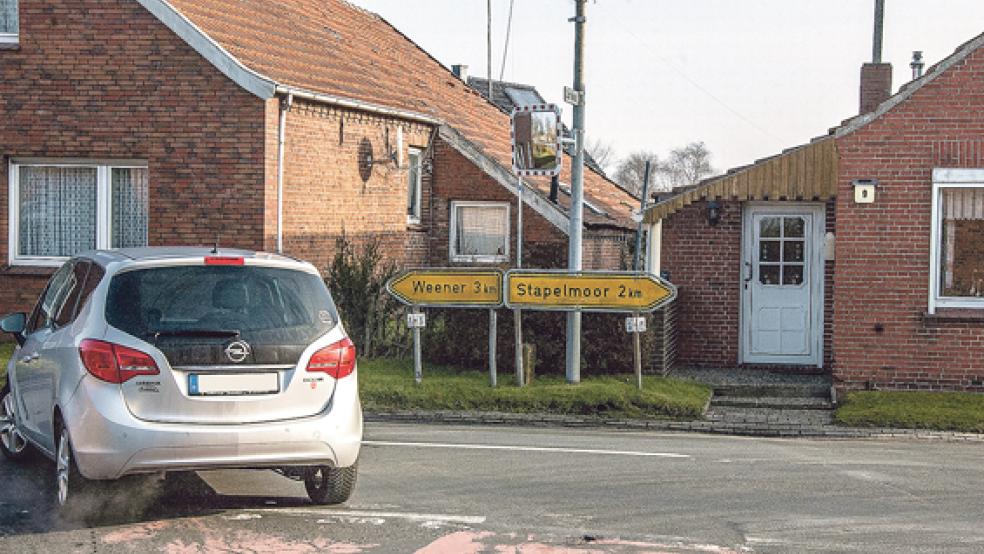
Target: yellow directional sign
587	291
460	288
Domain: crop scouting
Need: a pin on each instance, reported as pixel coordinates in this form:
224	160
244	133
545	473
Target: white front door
782	284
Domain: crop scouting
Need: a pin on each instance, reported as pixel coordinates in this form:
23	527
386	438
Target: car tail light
337	360
114	363
224	260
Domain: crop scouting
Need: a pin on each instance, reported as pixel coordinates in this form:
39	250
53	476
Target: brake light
337	360
115	363
224	260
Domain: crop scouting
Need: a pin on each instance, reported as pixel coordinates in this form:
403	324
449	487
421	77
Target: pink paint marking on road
462	542
135	532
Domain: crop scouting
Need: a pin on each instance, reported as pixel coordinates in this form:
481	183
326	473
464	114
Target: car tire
330	485
13	444
74	494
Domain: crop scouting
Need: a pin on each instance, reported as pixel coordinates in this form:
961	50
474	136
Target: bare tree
602	152
630	173
685	166
689	164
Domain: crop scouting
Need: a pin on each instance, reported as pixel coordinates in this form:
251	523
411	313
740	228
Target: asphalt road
477	489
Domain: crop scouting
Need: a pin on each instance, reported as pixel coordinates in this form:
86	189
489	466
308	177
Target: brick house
263	125
857	254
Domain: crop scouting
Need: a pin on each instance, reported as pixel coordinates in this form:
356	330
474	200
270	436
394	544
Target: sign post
448	288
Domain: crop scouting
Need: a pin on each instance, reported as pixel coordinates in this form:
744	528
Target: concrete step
765	416
773	402
774	391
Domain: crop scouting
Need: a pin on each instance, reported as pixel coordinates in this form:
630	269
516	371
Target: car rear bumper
109	442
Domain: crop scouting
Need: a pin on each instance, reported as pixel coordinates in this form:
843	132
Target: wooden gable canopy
807	172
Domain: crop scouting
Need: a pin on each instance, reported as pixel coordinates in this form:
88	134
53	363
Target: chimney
876	77
460	71
917	64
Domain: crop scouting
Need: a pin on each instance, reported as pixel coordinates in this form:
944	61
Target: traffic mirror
536	140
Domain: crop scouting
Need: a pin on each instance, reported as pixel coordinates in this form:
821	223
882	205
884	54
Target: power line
652	50
505	50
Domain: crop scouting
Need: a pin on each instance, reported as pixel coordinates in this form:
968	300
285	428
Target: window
957	248
782	250
414	187
9	22
61	209
479	232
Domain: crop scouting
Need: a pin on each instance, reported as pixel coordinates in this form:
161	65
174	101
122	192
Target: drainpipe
285	105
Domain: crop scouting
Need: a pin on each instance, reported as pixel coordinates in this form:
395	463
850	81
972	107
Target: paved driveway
476	489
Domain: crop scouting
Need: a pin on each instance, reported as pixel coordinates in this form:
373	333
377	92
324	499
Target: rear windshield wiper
217	333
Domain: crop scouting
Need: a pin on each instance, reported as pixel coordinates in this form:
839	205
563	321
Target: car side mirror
15	325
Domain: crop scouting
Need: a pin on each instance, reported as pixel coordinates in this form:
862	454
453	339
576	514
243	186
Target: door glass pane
792	251
769	274
792	275
130	207
770	227
769	251
56	211
793	227
962	251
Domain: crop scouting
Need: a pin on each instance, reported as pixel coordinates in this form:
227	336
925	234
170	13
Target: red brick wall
704	262
104	79
325	193
882	336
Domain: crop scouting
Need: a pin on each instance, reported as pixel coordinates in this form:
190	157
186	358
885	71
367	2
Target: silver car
169	359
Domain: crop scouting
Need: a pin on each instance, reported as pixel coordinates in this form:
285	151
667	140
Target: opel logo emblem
237	351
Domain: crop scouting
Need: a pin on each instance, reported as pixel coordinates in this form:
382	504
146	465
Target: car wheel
12	442
330	485
74	492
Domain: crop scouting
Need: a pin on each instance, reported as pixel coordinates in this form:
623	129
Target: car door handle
30	358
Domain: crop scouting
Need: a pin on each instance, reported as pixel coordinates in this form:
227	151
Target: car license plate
233	384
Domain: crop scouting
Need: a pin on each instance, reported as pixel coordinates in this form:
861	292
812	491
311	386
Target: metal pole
577	195
489	8
876	51
518	314
637	351
418	373
642	210
493	333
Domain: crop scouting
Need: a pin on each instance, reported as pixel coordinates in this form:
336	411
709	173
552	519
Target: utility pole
489	8
577	194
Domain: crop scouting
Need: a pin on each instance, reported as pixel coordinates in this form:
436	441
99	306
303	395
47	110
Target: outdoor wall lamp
713	213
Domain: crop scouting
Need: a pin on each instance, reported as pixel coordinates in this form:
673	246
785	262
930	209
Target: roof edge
340	101
257	84
909	89
490	167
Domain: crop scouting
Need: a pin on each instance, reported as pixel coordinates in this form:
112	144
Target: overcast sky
747	77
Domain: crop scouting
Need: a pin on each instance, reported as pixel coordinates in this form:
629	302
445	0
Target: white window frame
12	38
948	179
104	195
414	218
481	258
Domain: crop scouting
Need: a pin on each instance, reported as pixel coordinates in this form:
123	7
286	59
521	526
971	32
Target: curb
783	430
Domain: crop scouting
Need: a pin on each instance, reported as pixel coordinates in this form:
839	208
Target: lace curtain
963	242
129	207
8	16
57	212
481	231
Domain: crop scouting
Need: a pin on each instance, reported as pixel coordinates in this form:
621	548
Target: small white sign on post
416	320
572	96
635	325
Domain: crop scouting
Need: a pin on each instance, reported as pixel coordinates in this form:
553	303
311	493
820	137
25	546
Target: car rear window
248	300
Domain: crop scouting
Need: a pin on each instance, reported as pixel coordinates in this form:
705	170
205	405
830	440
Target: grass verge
6	351
941	411
388	385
